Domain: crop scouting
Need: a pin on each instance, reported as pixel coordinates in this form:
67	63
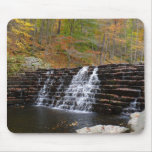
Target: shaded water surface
46	120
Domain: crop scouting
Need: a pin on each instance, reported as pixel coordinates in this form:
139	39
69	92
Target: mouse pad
80	76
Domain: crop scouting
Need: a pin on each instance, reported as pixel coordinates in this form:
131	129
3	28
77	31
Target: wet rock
137	121
107	108
104	129
119	85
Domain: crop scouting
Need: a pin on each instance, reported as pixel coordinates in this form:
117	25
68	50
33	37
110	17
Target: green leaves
14	64
55	40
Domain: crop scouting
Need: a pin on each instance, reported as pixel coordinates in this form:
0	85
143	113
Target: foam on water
43	93
80	94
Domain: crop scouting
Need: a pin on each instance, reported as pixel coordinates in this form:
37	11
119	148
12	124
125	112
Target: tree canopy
75	42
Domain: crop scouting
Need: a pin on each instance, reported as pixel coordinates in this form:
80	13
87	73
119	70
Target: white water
133	107
80	94
44	92
59	89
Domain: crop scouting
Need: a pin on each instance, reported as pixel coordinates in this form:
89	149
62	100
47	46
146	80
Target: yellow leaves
27	24
20	45
121	36
20	33
73	124
19	21
19	36
14	30
23	23
9	40
26	29
138	47
141	35
22	28
64	124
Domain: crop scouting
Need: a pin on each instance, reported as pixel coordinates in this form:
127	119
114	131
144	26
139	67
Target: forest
68	43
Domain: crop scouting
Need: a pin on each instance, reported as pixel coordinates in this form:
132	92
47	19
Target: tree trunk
135	58
41	32
105	53
47	39
48	31
131	54
113	48
52	25
102	48
114	33
141	56
126	37
34	35
59	27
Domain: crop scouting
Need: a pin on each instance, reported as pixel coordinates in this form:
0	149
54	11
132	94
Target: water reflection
43	119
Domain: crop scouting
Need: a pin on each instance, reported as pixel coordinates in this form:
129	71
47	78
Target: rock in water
137	121
104	129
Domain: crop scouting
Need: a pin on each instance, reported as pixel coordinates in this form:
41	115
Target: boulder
33	63
137	121
104	129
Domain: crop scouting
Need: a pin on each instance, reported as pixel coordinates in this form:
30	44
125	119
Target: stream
40	119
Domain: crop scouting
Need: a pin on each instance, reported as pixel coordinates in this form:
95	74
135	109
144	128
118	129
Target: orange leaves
93	52
63	42
76	42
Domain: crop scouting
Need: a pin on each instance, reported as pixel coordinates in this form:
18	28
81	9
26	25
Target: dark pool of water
37	119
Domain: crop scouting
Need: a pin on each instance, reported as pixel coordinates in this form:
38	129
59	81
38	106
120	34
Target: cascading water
80	94
57	93
44	92
133	107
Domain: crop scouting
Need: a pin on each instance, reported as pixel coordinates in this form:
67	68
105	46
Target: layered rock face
120	84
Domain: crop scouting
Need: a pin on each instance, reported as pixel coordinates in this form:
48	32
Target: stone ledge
120	84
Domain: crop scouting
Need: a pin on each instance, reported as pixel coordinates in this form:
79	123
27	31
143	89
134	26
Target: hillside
68	43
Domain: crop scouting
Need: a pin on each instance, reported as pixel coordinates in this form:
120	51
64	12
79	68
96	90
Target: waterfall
59	89
133	107
44	92
80	94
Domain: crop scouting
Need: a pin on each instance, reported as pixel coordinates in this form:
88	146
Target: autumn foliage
75	42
